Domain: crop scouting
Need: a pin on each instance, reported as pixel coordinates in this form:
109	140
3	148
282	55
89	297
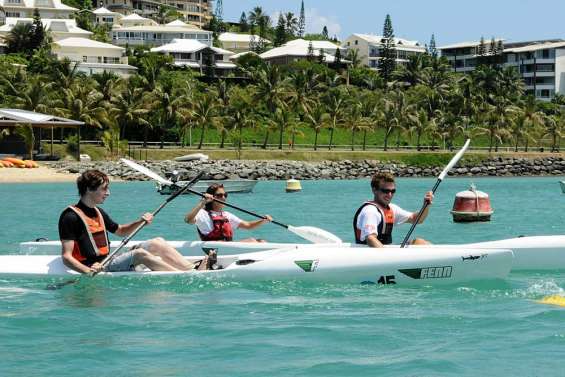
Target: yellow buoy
553	300
293	185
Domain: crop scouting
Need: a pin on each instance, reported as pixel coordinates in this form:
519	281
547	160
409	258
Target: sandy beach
37	175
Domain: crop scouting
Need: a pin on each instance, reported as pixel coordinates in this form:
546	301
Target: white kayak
530	253
404	267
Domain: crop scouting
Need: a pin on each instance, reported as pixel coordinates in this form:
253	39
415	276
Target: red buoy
471	205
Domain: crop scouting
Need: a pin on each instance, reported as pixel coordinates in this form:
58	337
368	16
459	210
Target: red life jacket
384	230
222	230
97	235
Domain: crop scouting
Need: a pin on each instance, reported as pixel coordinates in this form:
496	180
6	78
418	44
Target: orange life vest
97	235
384	231
221	231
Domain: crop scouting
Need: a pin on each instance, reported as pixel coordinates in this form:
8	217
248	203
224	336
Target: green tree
301	21
38	37
205	113
317	118
325	32
291	24
243	24
387	63
280	32
432	50
334	101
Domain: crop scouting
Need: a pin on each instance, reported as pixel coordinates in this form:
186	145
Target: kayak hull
406	267
530	253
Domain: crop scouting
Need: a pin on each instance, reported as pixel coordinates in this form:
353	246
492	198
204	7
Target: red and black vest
221	231
96	230
384	231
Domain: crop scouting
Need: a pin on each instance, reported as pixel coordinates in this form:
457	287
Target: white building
298	49
191	53
103	16
463	56
369	47
134	30
240	42
24	8
541	65
59	28
93	56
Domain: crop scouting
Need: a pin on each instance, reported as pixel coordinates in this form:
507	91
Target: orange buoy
471	205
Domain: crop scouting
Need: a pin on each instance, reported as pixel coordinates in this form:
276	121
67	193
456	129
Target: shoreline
42	174
68	171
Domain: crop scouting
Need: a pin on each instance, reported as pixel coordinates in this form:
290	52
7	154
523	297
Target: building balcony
539	74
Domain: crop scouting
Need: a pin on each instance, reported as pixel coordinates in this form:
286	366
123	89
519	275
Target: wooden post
78	144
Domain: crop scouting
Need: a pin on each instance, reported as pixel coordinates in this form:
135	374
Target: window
13	14
14	1
84	59
356	42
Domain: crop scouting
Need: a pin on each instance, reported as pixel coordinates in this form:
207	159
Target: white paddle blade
314	235
454	160
146	171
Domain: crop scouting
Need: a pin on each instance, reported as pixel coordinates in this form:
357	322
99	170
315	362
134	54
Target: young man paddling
214	224
374	220
83	231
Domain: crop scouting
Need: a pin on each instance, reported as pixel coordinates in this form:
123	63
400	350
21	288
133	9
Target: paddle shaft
442	175
239	209
154	213
426	204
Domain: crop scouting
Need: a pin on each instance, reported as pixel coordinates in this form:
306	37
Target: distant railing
136	149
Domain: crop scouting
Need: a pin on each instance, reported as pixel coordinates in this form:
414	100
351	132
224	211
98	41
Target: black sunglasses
387	191
221	195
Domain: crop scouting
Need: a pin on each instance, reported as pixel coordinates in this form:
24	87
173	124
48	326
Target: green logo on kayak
442	272
307	265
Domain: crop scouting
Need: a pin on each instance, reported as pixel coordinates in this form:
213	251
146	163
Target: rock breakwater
345	169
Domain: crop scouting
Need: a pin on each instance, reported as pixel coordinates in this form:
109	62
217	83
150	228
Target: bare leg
150	261
420	241
158	246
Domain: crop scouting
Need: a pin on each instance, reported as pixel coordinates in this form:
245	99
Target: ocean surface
194	327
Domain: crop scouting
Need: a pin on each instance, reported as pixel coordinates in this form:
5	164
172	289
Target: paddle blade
454	160
314	235
146	171
553	300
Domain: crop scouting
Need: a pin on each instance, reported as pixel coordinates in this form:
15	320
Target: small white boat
530	253
193	157
403	267
562	184
230	185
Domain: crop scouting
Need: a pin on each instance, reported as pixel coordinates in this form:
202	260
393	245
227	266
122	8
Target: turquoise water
178	326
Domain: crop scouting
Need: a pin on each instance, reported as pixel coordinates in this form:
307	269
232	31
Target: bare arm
190	217
126	229
427	199
373	241
254	224
72	262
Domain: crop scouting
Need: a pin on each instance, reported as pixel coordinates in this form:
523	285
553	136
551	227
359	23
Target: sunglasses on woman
221	195
387	191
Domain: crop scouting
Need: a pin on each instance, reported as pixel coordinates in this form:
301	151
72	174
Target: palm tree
128	108
240	113
291	23
167	104
282	119
554	125
421	124
335	104
303	84
354	119
20	39
534	119
205	108
271	89
317	118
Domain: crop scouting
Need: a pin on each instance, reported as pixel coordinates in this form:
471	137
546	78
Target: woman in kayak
215	224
